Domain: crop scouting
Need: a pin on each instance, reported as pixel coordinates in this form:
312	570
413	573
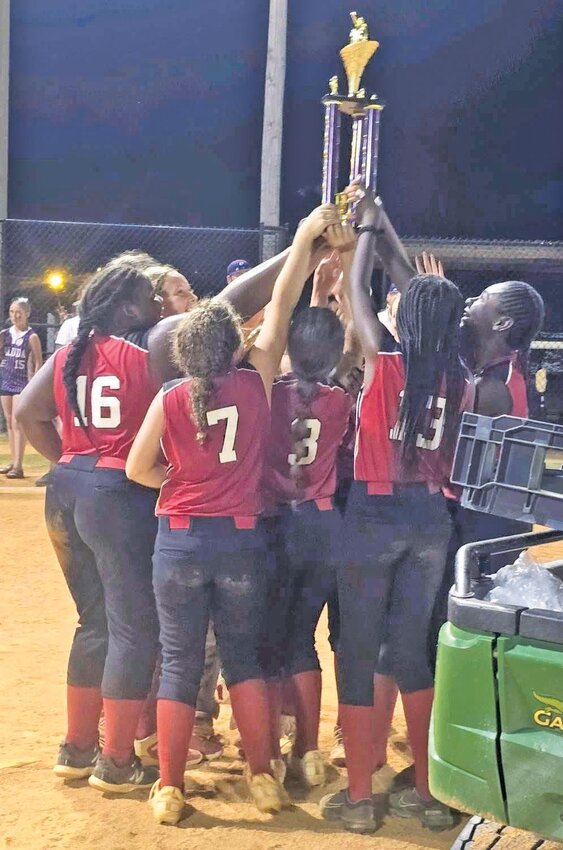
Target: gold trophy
365	113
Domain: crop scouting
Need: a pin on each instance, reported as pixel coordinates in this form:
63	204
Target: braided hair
111	288
524	305
428	324
205	342
315	344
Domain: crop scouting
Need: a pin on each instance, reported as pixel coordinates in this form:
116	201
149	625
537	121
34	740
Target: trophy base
353	105
347	105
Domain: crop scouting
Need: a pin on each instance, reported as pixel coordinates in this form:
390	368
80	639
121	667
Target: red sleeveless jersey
221	476
508	370
327	425
115	390
378	438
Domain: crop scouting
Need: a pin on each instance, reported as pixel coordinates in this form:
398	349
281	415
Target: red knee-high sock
147	721
385	694
275	690
418	706
121	718
307	688
175	722
250	706
83	708
288	698
357	731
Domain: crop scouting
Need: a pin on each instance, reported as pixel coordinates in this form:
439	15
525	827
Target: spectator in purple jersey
20	358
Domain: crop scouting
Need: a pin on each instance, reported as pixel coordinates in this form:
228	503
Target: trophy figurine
365	115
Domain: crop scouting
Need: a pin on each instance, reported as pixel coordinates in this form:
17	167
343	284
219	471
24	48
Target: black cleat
432	814
108	776
357	817
73	763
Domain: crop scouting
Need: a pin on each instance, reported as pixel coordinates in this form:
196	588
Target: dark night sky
150	111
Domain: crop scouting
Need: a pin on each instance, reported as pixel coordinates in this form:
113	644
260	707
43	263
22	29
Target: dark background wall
150	111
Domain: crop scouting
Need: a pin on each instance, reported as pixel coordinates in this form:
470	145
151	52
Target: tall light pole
273	115
4	92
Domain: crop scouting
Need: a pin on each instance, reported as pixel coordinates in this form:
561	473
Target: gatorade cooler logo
550	716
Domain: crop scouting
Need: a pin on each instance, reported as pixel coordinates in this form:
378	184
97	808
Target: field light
55	280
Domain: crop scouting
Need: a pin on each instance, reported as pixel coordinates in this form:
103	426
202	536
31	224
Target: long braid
525	307
428	324
111	288
315	343
206	340
306	390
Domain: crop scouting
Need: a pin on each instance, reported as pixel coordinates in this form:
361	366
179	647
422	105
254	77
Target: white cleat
311	768
167	804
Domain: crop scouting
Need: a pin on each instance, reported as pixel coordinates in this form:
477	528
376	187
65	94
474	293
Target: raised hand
429	264
317	222
326	278
368	210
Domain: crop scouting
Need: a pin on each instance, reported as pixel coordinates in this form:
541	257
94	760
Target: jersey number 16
105	409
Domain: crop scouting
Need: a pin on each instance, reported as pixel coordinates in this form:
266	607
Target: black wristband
367	228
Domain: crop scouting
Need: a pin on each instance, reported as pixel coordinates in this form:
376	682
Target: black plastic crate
511	467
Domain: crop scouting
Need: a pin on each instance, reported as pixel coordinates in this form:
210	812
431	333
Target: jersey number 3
432	438
230	415
310	443
105	409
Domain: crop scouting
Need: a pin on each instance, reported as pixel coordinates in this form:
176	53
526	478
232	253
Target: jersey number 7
230	415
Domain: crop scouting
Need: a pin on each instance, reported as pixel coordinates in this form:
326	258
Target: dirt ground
39	812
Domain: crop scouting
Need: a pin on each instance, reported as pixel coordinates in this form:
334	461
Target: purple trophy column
371	147
357	147
331	152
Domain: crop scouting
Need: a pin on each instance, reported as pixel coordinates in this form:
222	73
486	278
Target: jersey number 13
432	437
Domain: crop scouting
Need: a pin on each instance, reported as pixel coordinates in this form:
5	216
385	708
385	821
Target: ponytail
307	392
206	340
200	394
72	368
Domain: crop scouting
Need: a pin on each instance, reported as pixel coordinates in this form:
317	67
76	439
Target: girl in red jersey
497	329
397	522
101	525
210	550
310	420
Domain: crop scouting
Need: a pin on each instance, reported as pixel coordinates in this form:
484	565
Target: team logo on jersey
550	716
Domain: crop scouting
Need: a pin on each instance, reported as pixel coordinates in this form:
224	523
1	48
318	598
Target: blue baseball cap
237	266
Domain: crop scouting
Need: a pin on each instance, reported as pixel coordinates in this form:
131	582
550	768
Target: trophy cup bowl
355	58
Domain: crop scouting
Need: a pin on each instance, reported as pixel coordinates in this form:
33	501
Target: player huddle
260	519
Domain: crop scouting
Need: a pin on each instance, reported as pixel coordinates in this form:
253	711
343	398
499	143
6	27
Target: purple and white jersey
14	353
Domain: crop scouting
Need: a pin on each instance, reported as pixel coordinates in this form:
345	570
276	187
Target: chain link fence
31	252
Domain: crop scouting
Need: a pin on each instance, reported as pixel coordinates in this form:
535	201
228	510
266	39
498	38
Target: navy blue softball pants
102	527
311	543
208	569
388	580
